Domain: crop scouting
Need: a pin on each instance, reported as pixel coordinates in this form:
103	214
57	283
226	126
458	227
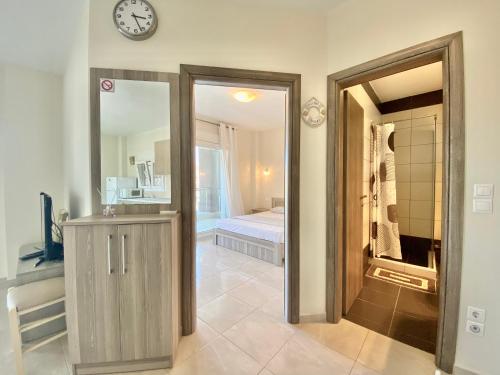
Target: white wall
31	154
359	31
3	239
224	33
270	154
76	123
247	154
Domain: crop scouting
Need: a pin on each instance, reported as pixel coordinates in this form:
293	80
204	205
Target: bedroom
240	190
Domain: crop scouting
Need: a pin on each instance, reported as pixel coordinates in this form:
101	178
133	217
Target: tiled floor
241	331
407	315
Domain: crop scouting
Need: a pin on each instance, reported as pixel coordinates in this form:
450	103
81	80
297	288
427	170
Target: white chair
26	299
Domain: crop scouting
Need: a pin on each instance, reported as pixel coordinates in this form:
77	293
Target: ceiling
38	34
303	4
216	103
135	107
410	82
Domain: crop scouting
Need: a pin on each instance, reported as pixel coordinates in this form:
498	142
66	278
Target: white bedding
269	226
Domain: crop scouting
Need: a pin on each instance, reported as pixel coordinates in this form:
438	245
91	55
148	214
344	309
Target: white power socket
474	328
476	314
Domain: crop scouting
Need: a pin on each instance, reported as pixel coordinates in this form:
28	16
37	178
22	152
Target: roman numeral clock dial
135	19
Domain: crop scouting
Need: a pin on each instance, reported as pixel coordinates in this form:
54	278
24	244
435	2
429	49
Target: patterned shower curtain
385	229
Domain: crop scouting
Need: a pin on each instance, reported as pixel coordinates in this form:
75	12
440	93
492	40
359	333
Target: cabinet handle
110	271
123	255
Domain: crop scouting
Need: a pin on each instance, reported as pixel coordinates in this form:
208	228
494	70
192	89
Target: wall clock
135	19
313	112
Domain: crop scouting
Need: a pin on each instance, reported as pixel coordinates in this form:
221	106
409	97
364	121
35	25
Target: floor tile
418	303
220	357
359	369
302	355
379	315
254	293
212	287
255	267
260	335
189	345
274	278
275	307
414	330
374	296
380	286
390	357
224	312
345	337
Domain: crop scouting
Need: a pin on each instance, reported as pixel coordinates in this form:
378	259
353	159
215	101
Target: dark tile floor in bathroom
406	315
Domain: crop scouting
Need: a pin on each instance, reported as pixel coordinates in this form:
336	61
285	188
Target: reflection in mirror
135	143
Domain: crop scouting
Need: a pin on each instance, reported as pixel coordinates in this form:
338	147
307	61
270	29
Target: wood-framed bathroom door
353	185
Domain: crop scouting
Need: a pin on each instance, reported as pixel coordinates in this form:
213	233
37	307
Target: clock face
136	19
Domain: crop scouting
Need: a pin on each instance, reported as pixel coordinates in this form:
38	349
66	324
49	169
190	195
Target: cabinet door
144	291
97	293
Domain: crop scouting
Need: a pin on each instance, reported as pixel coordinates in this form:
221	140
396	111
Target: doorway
223	77
447	50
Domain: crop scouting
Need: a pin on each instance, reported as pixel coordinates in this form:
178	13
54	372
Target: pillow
278	210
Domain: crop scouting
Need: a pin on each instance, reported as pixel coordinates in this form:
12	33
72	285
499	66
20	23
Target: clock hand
139	17
138	24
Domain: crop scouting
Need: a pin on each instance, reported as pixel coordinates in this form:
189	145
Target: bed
260	235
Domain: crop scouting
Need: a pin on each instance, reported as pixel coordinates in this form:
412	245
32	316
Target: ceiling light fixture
244	96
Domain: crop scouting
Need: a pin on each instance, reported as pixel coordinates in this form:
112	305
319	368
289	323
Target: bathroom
401	116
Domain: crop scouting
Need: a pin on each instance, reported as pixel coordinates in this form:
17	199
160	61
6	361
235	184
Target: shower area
405	194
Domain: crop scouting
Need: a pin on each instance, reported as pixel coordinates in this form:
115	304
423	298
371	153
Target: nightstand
257	210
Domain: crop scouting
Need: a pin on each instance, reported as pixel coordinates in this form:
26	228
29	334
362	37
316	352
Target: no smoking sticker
107	85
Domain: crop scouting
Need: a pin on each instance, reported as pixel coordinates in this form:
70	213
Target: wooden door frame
189	75
449	50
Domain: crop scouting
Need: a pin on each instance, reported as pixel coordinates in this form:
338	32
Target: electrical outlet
476	314
474	328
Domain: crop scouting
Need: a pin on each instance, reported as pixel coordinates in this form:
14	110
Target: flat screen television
51	250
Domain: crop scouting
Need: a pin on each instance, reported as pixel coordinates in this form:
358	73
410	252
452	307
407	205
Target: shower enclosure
405	189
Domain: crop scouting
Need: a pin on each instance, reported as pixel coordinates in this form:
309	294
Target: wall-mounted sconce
266	172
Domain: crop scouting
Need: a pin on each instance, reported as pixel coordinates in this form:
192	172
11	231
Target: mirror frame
95	139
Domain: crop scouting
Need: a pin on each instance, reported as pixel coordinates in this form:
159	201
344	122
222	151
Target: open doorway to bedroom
240	205
240	149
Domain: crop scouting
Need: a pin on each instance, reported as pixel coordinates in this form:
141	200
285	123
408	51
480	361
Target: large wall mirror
135	141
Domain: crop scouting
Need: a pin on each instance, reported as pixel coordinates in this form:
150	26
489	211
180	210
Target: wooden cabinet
122	297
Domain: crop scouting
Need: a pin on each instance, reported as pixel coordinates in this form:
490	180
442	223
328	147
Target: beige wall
31	155
76	122
358	32
229	34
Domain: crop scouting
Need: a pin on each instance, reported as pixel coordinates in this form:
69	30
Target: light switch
483	191
482	206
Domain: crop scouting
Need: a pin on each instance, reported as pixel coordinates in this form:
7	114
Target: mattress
269	226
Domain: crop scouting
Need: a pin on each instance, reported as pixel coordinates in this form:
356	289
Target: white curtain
385	228
231	202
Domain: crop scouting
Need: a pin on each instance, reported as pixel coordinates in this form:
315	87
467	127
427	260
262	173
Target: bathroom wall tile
438	192
404	124
403	173
421	191
439	133
403	208
397	116
402	189
422	210
430	110
439	152
421	228
422	153
424	121
402	137
422	135
439	172
402	155
404	225
421	173
437	210
437	230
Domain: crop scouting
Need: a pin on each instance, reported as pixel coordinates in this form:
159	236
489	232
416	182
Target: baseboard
462	371
7	283
313	318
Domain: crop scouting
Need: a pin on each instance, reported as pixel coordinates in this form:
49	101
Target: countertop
123	219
